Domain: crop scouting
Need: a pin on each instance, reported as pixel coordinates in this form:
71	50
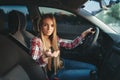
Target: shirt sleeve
70	44
36	51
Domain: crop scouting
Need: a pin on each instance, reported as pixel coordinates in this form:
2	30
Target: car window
4	10
10	8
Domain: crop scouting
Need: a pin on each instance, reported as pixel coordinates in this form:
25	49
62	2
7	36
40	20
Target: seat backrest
2	22
17	28
16	64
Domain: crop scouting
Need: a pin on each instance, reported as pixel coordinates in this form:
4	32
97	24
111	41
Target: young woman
45	51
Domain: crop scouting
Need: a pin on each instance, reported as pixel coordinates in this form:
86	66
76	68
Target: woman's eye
44	25
52	25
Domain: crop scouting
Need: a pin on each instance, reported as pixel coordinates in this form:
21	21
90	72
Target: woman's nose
49	27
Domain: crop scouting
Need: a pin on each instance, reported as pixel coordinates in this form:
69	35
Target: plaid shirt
36	47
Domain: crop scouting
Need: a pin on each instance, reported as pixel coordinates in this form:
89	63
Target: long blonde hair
53	39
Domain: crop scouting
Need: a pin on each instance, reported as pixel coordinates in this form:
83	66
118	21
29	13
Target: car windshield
108	11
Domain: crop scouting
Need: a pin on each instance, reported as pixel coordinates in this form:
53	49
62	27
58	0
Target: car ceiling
71	4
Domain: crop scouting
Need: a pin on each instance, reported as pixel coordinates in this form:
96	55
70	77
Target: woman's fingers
90	30
86	32
48	53
56	53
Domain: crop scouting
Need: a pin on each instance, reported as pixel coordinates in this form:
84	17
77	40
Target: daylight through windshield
109	13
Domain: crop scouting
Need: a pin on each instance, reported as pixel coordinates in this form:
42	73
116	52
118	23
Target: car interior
16	62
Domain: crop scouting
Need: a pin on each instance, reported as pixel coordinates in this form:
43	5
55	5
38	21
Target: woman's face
47	27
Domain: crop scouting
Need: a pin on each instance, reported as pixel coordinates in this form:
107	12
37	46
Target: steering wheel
90	40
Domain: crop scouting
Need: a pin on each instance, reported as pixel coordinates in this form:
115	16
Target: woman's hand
48	53
88	31
55	53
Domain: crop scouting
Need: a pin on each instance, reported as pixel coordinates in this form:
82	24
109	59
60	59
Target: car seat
16	64
17	28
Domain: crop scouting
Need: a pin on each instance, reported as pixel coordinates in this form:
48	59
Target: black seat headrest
16	21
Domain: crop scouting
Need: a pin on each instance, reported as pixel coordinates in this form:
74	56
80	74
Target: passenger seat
17	28
16	64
